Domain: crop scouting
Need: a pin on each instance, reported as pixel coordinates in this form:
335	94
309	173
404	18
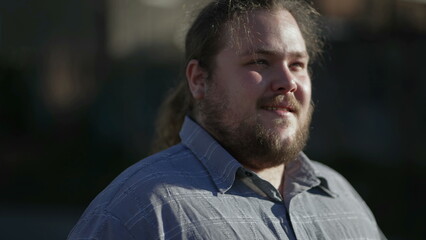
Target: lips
280	104
279	108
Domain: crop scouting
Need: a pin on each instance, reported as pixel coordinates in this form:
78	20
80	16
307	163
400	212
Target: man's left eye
296	66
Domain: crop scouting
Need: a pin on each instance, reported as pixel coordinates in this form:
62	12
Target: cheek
246	85
253	78
251	84
243	92
304	91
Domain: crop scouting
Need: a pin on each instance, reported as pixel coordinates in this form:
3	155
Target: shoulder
148	173
132	196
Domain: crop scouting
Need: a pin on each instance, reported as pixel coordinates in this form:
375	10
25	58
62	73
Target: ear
196	77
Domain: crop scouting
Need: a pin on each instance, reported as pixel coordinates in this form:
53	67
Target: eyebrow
270	52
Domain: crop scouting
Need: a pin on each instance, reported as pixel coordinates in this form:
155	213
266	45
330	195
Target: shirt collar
218	162
301	175
302	171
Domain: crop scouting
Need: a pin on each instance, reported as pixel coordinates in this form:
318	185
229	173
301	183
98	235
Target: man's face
257	100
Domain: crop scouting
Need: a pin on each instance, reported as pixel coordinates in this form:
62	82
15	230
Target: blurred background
81	81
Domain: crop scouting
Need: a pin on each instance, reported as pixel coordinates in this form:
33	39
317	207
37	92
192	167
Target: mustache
280	100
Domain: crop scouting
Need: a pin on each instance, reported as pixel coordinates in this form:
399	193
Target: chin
287	133
287	140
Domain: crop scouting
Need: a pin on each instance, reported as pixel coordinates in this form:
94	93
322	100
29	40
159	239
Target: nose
283	80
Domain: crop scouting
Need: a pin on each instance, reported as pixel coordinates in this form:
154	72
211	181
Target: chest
246	215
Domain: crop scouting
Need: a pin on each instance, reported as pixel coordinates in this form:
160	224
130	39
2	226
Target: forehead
272	30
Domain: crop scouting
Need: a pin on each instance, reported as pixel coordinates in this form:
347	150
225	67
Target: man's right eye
259	62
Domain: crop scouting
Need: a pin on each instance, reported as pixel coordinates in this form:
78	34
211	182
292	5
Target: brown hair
203	41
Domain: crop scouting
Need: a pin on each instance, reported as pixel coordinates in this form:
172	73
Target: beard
249	141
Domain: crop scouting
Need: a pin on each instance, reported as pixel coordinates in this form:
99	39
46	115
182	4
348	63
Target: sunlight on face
257	104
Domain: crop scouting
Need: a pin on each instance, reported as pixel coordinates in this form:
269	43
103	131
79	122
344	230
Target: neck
273	175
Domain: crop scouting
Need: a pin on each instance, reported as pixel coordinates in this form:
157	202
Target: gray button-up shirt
197	190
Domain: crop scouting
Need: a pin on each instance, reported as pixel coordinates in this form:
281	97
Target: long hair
204	40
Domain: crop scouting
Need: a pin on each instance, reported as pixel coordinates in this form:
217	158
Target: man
237	170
